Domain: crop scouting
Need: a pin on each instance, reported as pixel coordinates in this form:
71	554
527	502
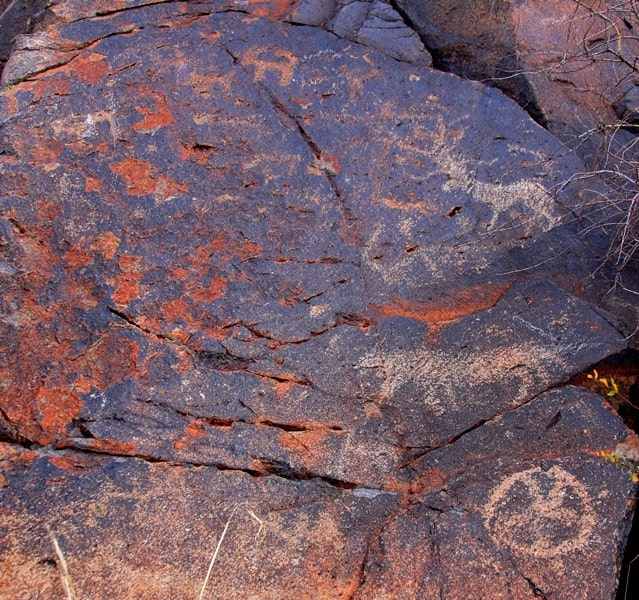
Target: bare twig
219	543
64	569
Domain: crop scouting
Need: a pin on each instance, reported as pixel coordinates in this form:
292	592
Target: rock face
569	63
17	17
257	275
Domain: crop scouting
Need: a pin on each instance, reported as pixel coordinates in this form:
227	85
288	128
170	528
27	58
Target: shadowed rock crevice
493	61
17	17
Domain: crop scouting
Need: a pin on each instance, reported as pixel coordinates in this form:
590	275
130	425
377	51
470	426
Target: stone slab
250	264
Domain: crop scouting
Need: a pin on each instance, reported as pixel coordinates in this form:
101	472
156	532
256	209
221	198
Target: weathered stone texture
17	17
248	263
569	63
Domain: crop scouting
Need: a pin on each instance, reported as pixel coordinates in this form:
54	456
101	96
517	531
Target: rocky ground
277	292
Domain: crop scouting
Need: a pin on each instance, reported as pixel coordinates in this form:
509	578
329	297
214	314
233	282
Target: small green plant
608	383
622	463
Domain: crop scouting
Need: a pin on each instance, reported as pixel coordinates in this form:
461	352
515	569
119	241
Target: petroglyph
541	513
284	65
435	373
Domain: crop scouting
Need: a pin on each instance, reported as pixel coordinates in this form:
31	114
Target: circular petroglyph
543	513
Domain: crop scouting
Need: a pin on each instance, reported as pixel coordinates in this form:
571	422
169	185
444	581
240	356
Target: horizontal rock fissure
133	323
125	9
213	421
293	428
227	361
73	53
269	468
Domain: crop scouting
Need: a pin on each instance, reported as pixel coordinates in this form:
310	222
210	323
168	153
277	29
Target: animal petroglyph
284	64
436	373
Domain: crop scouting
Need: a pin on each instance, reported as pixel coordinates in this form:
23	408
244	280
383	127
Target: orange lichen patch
15	184
141	179
225	250
127	288
38	260
432	479
153	324
55	85
56	407
197	154
185	361
11	455
446	308
83	385
92	184
275	10
177	274
130	263
167	187
307	443
283	388
107	245
174	309
47	211
214	290
137	176
91	68
77	257
11	107
75	464
113	447
82	294
112	360
46	155
193	430
257	466
160	116
179	335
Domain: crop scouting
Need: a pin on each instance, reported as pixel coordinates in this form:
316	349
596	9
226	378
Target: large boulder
571	64
265	299
17	17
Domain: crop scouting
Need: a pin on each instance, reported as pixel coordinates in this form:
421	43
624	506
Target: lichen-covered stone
251	266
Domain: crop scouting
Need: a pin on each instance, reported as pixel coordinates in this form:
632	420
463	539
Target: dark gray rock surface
250	269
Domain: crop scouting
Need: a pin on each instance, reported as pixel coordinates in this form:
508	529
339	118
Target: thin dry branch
219	543
64	569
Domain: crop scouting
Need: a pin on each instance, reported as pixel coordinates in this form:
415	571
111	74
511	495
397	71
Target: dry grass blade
625	595
64	569
219	543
